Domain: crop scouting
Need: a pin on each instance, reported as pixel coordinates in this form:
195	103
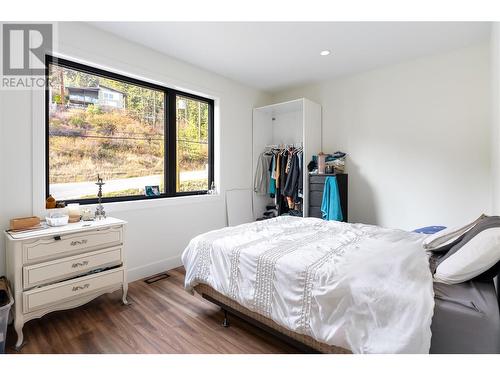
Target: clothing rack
280	176
284	146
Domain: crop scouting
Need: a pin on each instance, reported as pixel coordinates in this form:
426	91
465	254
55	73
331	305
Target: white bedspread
360	287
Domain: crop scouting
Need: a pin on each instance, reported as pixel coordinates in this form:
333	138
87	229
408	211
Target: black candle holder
99	212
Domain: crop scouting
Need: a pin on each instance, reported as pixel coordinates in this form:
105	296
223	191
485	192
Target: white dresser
63	267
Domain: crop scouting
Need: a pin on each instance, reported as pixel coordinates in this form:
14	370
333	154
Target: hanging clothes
292	183
272	176
330	206
300	192
282	169
282	201
261	179
276	169
285	178
289	158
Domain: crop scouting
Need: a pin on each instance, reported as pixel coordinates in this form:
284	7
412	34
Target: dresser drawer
72	289
64	268
315	198
316	187
317	178
315	212
57	246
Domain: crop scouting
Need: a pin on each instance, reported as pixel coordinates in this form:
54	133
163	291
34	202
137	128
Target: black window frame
170	132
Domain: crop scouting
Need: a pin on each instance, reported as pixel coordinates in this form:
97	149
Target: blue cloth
330	207
430	230
272	186
272	181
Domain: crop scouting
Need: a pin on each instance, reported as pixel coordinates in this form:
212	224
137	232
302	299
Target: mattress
466	318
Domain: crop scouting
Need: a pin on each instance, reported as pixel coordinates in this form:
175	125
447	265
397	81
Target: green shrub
77	121
94	110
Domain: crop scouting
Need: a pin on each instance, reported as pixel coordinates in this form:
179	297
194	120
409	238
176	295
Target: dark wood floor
162	318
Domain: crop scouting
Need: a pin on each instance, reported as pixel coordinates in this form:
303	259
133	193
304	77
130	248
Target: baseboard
150	269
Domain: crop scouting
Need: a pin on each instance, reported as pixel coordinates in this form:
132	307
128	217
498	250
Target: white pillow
449	235
478	255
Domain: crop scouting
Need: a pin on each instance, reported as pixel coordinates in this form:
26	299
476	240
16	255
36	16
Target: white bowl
57	221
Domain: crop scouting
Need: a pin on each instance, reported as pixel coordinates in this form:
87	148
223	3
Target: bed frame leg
225	322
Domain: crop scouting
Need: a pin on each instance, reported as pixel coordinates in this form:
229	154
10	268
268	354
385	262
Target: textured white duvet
360	287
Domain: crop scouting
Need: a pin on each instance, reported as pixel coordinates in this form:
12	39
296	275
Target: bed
334	287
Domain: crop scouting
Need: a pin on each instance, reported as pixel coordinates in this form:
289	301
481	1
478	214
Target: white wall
495	115
156	235
417	135
495	120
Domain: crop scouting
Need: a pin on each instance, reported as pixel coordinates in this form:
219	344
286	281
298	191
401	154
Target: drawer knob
78	287
80	264
81	242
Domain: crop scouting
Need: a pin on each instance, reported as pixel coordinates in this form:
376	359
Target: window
192	144
132	133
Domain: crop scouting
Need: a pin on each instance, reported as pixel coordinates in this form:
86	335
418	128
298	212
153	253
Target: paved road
77	189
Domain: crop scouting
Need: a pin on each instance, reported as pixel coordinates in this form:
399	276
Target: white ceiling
276	55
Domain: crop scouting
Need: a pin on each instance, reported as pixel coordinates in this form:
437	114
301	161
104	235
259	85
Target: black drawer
315	198
320	178
317	179
315	212
316	187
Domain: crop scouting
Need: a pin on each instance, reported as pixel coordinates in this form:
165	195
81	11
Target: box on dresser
22	223
58	268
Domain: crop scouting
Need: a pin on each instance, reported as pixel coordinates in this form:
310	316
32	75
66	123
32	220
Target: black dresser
316	186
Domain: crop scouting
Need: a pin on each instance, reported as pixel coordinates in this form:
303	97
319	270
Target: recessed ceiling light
325	52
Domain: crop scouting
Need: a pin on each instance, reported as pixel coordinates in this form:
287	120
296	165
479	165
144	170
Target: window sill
156	203
146	204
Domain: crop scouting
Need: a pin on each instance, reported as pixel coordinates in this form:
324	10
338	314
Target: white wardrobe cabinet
296	122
